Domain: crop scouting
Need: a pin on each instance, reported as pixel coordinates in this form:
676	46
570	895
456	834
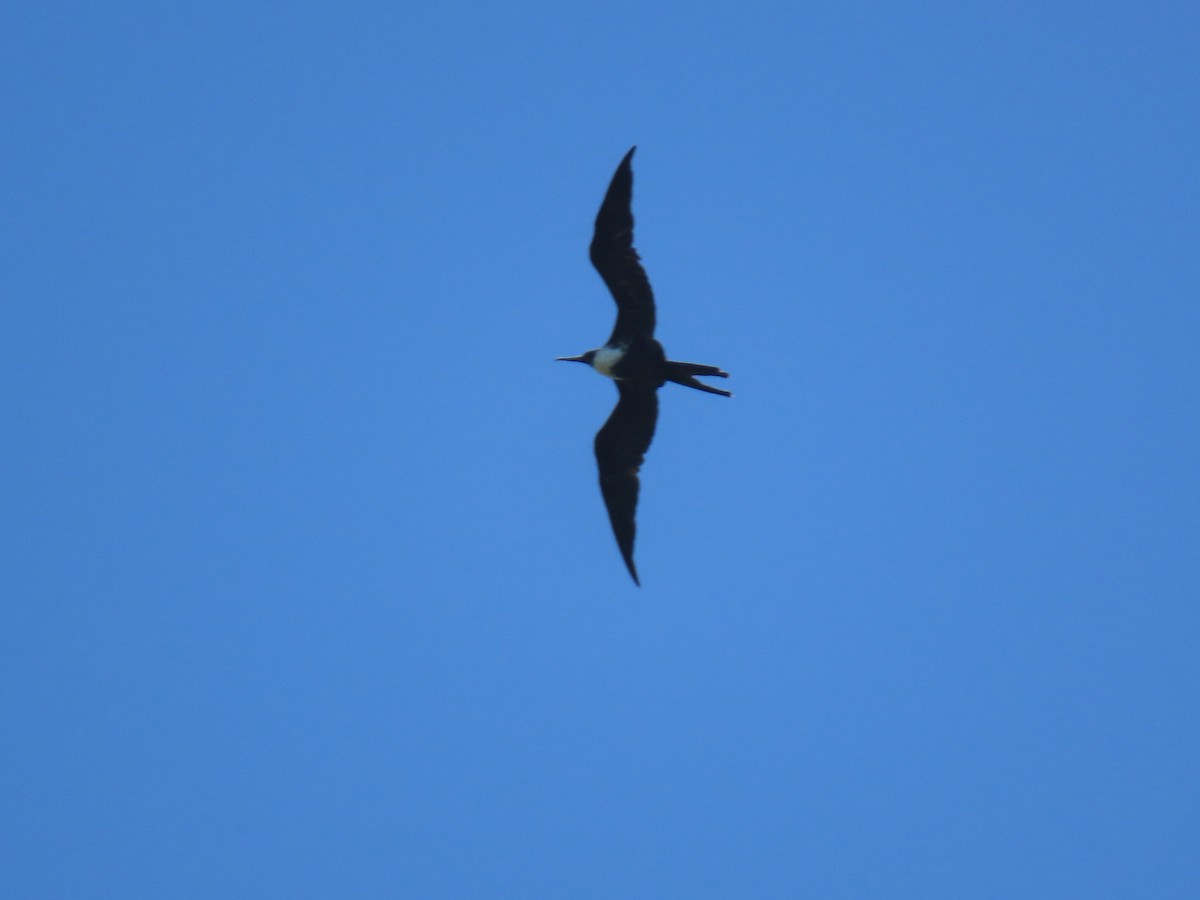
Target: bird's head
585	358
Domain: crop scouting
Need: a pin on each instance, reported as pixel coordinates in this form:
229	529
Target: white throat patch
606	358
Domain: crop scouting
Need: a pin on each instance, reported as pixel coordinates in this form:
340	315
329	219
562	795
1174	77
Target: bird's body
632	358
607	359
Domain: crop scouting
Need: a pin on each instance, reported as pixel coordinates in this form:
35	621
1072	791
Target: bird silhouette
633	359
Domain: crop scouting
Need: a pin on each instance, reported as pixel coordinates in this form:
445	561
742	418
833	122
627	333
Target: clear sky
307	587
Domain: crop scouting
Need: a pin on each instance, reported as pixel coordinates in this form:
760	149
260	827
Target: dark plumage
633	358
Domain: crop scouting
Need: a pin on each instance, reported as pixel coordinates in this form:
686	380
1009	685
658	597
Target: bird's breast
606	359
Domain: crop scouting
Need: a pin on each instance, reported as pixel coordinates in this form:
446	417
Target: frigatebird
632	358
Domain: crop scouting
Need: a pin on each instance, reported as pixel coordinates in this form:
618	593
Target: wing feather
618	263
621	447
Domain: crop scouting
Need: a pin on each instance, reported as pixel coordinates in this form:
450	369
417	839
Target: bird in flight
633	359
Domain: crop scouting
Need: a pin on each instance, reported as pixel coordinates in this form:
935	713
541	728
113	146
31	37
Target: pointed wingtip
632	569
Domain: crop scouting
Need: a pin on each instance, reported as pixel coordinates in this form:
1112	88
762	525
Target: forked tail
683	372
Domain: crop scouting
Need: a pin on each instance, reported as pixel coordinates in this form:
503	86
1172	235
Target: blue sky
308	590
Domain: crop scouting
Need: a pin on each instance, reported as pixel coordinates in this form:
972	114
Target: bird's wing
617	262
620	448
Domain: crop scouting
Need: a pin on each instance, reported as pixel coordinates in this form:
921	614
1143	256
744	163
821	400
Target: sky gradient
307	587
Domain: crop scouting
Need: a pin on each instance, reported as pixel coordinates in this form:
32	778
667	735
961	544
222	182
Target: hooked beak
569	359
